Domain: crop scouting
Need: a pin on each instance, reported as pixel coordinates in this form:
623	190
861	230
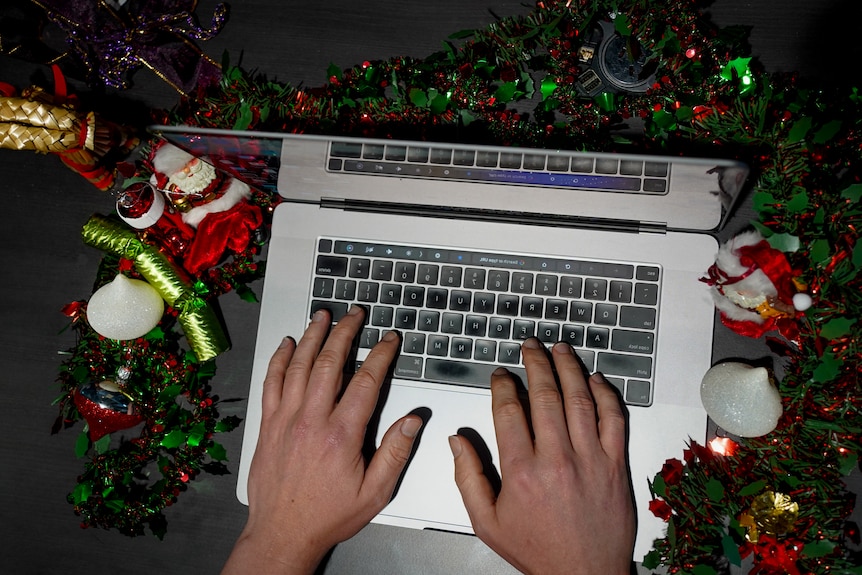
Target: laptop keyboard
463	313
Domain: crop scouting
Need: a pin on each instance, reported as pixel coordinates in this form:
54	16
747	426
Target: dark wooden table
45	265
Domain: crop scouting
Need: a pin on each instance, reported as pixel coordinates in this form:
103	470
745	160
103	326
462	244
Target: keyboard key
460	300
437	298
405	318
381	270
588	358
369	337
654	185
631	168
331	266
639	317
638	392
474	278
408	366
595	289
573	335
606	314
452	323
510	353
523	329
546	285
345	289
498	280
556	309
483	303
336	309
646	294
391	294
606	166
382	316
438	345
360	268
368	292
462	372
632	341
414	296
598	337
582	165
581	311
428	274
413	343
462	348
405	272
450	276
625	365
532	306
323	287
428	321
620	292
499	327
548	332
655	169
485	350
475	325
647	273
570	287
507	305
522	282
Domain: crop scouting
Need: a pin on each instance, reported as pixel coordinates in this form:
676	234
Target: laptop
466	250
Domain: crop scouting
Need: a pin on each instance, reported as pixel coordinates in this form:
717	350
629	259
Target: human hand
565	504
309	485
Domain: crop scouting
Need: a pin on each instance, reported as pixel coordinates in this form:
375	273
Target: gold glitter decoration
771	513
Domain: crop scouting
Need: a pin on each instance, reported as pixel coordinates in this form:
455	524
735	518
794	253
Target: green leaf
835	328
622	25
714	490
173	439
243	121
797	203
848	463
786	243
229	423
829	368
752	488
548	87
217	452
418	97
857	255
245	293
703	570
852	193
81	493
196	434
820	548
763	201
820	251
652	559
461	34
333	71
731	550
799	130
82	444
659	487
103	444
506	92
827	132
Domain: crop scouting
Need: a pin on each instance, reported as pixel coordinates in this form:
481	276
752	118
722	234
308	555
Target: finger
302	361
510	423
273	381
388	462
360	398
476	491
546	405
580	408
612	419
325	379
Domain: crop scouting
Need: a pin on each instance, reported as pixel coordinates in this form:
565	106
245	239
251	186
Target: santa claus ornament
754	286
212	206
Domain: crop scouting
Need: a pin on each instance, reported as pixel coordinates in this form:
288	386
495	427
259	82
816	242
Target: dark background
46	265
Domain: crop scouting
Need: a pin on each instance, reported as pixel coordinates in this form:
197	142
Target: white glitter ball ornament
741	399
125	309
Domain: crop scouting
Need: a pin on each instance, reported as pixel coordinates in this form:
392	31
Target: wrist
263	551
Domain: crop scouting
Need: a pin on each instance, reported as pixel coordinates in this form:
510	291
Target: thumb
476	490
389	460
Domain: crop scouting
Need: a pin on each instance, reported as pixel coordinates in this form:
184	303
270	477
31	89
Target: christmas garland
778	499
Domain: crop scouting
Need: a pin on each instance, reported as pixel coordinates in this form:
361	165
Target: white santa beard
196	181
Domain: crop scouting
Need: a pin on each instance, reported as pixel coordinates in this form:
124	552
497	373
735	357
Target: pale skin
565	503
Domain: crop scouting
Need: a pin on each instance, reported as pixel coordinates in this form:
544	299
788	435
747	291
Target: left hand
310	486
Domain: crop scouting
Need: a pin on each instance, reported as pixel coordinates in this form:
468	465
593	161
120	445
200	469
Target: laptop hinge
500	216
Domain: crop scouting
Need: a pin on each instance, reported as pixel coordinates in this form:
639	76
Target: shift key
624	365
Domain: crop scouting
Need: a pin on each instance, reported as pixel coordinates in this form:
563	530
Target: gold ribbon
27	124
202	328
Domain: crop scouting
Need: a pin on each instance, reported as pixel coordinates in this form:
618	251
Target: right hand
565	505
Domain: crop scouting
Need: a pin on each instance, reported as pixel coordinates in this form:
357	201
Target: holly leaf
82	492
731	550
103	444
786	243
752	488
715	490
217	452
797	203
827	132
835	328
820	251
820	548
173	439
82	444
852	193
799	130
829	368
857	255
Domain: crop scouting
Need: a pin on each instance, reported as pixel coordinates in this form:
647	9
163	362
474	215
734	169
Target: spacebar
464	373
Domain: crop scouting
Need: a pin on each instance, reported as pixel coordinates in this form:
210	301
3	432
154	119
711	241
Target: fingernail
562	347
355	310
500	371
455	445
531	343
285	341
599	376
319	315
411	426
390	336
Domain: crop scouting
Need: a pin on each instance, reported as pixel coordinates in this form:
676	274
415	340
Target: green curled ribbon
202	328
